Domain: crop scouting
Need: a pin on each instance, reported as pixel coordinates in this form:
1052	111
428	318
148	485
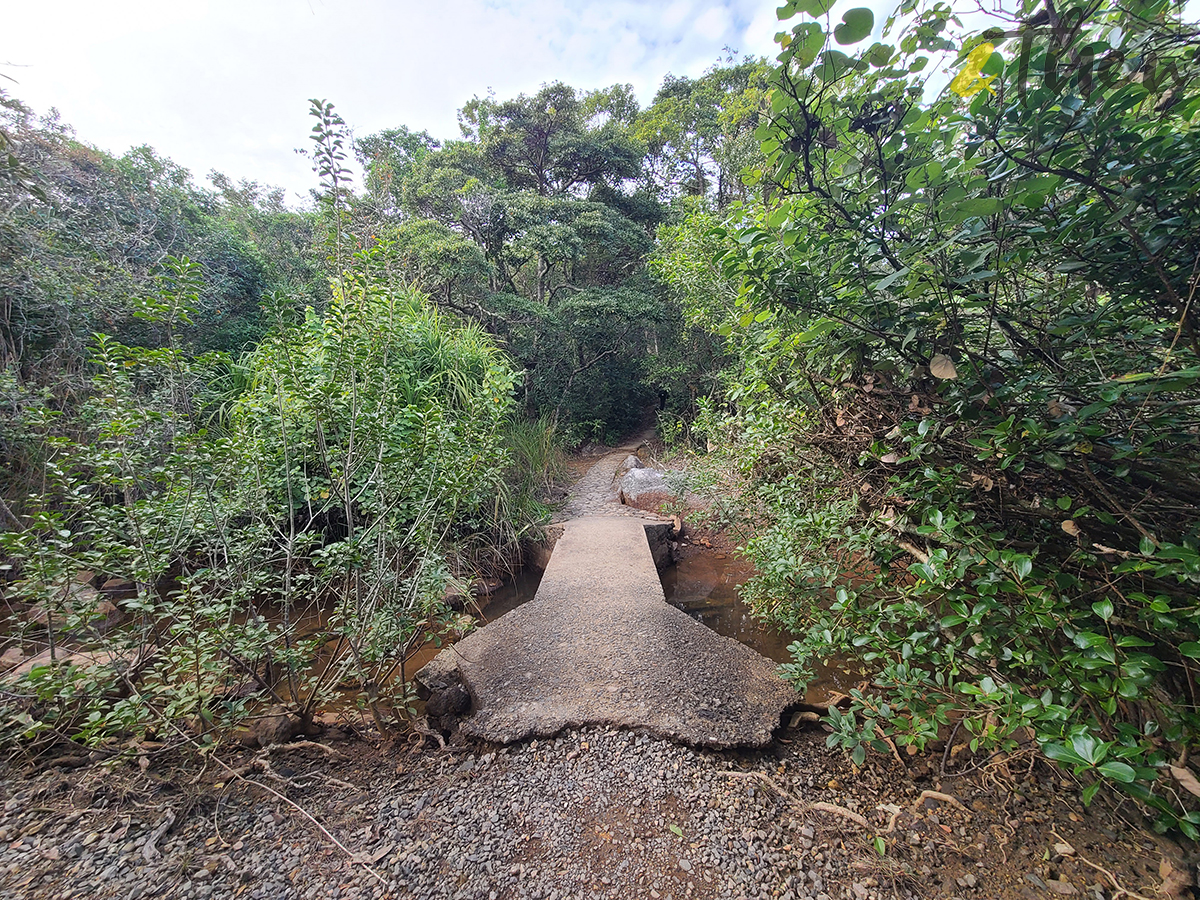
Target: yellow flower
970	81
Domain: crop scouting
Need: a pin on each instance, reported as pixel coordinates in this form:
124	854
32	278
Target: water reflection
706	587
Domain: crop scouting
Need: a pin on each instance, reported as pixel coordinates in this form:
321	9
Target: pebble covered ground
597	813
594	492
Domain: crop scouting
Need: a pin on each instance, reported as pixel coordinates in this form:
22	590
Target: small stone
11	657
685	865
1062	888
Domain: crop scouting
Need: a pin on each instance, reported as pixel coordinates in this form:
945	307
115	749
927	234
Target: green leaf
1089	749
978	207
815	8
1062	753
880	845
822	328
834	64
807	42
880	55
675	829
859	754
884	283
856	25
1190	649
1117	771
1103	608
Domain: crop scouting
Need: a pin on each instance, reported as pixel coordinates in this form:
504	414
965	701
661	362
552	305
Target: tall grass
538	458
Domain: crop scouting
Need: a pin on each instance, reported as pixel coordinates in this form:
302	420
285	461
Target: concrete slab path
599	645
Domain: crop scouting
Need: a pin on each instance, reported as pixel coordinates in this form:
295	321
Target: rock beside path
599	645
645	489
598	492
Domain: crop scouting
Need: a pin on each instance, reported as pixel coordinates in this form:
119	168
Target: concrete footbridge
599	645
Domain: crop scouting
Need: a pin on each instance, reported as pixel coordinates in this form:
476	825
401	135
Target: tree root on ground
850	815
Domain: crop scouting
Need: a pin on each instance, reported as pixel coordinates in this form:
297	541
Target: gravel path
596	813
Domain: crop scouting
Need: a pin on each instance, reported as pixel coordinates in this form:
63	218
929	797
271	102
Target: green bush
361	466
966	380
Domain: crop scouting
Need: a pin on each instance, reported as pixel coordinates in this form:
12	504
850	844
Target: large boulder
80	601
628	464
646	489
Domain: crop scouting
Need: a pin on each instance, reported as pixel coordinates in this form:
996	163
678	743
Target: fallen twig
833	809
896	813
891	745
324	748
1119	889
818	806
421	726
238	774
354	857
337	781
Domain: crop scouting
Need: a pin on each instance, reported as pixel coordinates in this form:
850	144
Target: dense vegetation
966	378
283	438
946	333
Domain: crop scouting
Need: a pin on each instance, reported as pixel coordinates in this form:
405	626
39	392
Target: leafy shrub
302	547
965	383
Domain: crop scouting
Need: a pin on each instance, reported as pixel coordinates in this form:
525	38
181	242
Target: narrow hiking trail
597	812
594	494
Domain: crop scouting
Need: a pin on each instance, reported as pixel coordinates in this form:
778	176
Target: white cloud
713	24
224	83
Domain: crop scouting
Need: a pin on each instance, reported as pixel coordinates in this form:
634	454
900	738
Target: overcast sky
224	84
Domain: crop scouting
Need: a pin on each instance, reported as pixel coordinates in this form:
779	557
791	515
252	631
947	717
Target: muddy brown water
509	596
